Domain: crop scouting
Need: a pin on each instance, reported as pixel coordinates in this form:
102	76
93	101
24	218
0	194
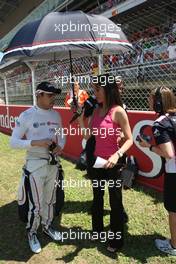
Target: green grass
147	220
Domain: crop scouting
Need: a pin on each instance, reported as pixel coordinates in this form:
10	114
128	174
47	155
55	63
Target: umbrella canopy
59	32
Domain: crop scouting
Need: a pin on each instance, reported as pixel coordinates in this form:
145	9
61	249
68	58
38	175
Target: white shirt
36	124
172	51
174	28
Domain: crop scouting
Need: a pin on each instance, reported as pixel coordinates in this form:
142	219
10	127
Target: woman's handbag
82	162
129	172
87	159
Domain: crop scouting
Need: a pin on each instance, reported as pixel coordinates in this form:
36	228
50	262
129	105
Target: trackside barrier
150	164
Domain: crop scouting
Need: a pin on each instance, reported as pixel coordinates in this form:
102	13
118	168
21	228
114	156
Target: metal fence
18	83
138	79
151	29
2	91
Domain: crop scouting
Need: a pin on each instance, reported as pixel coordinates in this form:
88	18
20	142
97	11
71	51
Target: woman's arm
120	117
165	150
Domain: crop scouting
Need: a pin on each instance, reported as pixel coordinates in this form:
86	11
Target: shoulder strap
173	123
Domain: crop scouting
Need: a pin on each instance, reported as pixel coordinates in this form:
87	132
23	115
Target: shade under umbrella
59	32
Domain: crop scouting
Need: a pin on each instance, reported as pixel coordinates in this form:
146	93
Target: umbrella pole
72	83
100	62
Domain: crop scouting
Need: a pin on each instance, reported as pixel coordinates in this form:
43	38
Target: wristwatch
120	154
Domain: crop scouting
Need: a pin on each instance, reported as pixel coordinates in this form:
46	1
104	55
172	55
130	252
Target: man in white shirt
35	131
172	51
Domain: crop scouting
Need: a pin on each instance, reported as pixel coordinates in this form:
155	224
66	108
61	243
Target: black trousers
112	177
169	192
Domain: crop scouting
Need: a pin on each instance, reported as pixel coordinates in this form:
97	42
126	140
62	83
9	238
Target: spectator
162	100
140	56
164	56
2	101
94	68
80	95
110	3
172	50
121	59
174	27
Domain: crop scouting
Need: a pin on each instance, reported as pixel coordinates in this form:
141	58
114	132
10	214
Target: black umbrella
60	35
58	32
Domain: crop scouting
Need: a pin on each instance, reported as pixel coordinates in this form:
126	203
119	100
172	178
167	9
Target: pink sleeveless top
106	132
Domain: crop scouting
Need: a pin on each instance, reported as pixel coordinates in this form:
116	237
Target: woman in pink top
107	122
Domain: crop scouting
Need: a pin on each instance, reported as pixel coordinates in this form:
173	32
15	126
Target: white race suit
37	124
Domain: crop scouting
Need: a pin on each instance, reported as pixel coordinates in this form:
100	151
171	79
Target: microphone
76	114
89	105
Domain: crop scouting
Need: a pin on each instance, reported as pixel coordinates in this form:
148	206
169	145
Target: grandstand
149	25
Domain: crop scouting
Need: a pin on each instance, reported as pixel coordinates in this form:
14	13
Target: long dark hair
112	95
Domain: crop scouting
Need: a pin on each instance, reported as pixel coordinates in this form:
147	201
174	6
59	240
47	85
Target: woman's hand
143	143
112	161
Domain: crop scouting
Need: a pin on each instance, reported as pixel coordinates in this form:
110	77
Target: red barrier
150	164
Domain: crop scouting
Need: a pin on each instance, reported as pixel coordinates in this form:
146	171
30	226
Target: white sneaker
165	246
34	243
53	234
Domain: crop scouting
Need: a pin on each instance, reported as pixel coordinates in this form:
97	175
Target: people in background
172	50
80	95
2	101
